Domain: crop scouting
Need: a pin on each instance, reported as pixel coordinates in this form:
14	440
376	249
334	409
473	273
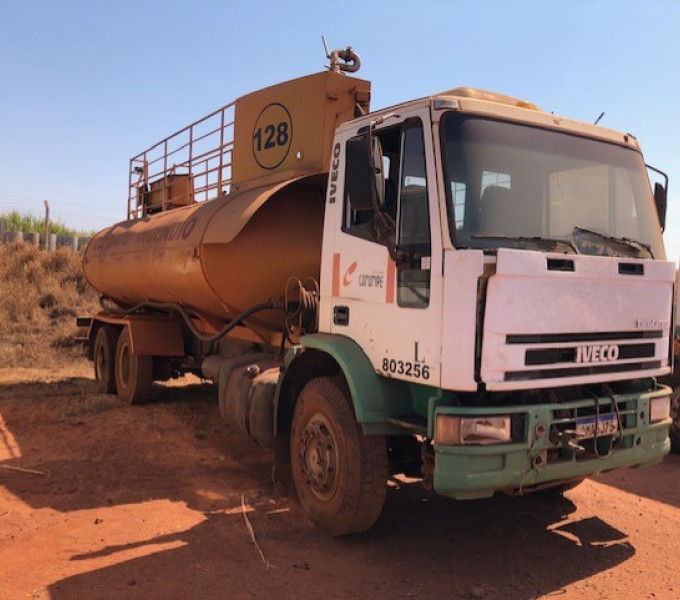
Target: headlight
659	409
459	431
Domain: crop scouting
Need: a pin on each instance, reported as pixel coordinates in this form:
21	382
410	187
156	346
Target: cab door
391	305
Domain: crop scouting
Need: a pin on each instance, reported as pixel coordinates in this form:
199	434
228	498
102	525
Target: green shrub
28	223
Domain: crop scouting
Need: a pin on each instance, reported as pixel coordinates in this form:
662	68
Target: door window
405	204
413	278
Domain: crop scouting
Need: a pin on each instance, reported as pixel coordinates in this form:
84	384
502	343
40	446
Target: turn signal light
659	409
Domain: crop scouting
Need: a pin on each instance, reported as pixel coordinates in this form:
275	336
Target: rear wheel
104	359
133	372
340	474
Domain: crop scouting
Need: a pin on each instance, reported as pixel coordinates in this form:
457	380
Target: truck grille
584	354
609	336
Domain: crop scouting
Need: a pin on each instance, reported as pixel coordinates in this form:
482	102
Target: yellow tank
219	257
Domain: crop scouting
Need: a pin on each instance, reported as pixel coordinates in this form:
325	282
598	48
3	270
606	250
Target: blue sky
85	85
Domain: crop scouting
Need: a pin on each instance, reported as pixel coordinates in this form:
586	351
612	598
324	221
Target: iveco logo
591	354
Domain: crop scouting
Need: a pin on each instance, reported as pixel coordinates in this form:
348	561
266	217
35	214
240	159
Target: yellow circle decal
272	136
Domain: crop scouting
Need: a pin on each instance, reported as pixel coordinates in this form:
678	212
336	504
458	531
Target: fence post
47	226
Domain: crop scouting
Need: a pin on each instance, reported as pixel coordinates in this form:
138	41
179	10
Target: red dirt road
146	502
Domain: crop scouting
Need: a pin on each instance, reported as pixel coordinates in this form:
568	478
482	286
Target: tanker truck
463	288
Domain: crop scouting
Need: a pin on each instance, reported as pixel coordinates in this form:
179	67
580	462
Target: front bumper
466	472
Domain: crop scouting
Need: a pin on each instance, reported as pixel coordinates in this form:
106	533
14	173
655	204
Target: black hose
269	305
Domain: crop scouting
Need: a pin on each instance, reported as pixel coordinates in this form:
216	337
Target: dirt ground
148	502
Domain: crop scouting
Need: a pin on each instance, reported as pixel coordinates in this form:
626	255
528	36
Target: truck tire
104	354
674	432
340	474
133	372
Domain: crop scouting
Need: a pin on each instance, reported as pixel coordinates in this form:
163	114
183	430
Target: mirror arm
375	192
660	196
665	177
385	234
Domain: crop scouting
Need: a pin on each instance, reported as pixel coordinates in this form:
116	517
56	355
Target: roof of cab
508	108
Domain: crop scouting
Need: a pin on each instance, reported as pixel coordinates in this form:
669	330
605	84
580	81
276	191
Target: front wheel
340	474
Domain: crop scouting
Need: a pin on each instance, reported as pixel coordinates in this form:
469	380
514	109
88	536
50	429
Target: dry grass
40	296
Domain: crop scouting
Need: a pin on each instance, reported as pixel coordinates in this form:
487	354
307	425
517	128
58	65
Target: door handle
341	315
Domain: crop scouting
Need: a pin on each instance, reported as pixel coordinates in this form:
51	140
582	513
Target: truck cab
543	227
506	266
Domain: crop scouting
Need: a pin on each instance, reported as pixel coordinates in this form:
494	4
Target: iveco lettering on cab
586	354
463	288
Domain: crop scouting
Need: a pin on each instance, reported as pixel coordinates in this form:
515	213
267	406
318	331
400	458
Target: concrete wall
54	241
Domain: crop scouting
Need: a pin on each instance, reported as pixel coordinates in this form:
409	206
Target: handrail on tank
191	165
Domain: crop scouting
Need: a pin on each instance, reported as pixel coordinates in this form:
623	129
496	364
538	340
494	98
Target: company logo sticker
347	279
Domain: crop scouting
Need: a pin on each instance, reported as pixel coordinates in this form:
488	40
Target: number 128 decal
272	135
406	368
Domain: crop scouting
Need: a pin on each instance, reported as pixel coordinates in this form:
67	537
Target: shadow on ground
423	546
100	453
659	482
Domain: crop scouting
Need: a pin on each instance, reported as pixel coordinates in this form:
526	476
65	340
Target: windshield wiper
548	242
628	243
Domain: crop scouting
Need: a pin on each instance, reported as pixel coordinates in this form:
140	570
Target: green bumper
466	472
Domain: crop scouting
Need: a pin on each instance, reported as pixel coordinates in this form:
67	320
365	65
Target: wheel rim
319	457
125	365
100	364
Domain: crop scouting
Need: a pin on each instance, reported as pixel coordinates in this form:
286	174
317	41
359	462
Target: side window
458	192
413	280
414	217
360	222
405	202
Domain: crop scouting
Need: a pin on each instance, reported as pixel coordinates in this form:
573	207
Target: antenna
325	46
598	118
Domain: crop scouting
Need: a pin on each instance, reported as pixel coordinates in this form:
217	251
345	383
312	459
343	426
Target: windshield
514	185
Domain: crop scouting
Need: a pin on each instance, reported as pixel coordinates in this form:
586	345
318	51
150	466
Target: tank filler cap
351	62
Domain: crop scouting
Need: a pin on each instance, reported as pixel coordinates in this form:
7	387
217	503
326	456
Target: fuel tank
217	258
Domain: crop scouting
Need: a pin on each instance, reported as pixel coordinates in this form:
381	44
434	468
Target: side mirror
365	178
661	201
660	195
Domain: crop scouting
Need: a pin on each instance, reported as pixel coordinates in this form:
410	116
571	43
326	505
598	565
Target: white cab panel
462	270
546	325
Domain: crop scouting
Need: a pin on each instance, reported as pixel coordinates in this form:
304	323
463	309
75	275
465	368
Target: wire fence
74	217
66	224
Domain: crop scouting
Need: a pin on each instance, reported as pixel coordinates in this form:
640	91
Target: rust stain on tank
234	251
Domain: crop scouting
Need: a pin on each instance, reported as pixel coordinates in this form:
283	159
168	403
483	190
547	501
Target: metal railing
191	165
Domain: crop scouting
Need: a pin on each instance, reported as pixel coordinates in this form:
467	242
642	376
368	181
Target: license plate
606	425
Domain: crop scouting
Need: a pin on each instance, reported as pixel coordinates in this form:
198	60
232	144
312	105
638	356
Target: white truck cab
531	252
